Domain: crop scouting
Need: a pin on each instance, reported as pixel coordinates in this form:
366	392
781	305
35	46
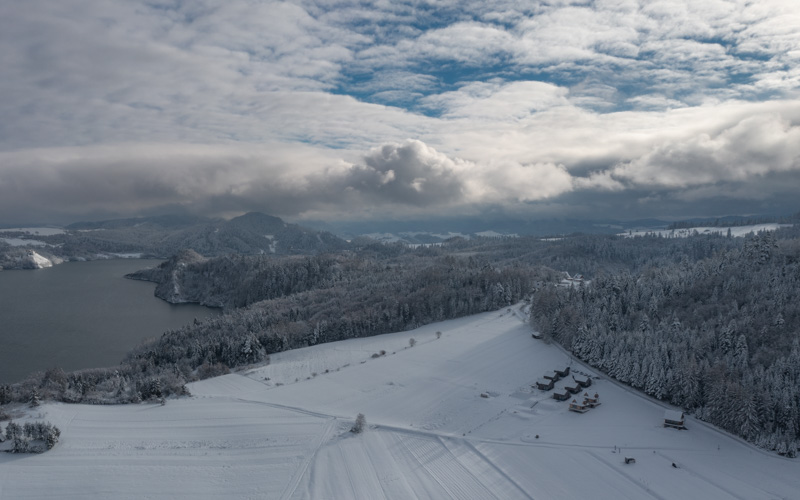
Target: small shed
584	380
591	401
573	387
578	407
562	372
553	375
561	395
674	418
545	384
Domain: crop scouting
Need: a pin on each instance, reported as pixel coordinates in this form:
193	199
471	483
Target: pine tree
360	424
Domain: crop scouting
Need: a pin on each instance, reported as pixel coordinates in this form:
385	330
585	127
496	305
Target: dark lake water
80	315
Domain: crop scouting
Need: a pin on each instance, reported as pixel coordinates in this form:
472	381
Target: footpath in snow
451	417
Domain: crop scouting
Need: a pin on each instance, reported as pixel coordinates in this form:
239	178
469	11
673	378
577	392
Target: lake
80	315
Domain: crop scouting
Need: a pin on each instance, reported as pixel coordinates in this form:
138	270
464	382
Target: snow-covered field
40	231
736	231
280	431
21	242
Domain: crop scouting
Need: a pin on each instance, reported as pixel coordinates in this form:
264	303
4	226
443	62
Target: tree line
716	336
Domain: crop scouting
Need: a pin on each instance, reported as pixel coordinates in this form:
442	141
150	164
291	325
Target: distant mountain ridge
249	234
162	236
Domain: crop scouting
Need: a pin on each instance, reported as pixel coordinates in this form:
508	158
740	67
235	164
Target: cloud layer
377	109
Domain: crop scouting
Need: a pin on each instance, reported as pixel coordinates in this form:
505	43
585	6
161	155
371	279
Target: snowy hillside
736	231
450	417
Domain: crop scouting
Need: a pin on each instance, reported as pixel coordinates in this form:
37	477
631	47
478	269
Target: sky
369	110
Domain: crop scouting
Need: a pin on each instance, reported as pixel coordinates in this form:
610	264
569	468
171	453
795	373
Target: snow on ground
21	242
495	234
128	255
39	231
737	231
383	237
38	261
279	431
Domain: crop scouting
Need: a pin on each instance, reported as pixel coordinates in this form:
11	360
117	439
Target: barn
561	395
674	418
562	372
584	380
553	375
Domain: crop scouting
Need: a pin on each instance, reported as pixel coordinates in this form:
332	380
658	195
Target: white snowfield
736	231
39	231
431	434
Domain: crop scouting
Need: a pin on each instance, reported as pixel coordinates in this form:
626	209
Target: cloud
752	148
498	101
367	107
411	173
123	180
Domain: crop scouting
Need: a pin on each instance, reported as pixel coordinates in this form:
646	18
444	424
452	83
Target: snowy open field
736	231
279	431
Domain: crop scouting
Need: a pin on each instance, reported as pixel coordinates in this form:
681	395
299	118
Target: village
578	383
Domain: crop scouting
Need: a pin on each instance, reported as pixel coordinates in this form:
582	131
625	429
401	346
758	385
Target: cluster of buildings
570	387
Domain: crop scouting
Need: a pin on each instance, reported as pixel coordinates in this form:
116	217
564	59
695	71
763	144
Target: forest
709	323
716	336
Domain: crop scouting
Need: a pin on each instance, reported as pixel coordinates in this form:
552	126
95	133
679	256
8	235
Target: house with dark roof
545	384
584	380
561	395
674	418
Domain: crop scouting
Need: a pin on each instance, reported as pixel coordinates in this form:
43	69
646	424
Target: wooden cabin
573	387
674	418
562	372
578	407
561	395
553	375
545	384
584	380
591	401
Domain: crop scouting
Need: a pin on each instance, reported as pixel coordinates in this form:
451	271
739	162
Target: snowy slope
280	431
736	231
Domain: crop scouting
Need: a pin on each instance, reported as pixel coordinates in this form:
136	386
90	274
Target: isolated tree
34	402
360	424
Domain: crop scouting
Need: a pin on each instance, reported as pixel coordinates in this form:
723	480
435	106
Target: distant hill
438	229
162	236
163	221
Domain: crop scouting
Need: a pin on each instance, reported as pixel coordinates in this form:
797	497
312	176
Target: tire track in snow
448	471
632	480
290	489
709	481
361	473
421	466
391	478
494	466
347	472
295	409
